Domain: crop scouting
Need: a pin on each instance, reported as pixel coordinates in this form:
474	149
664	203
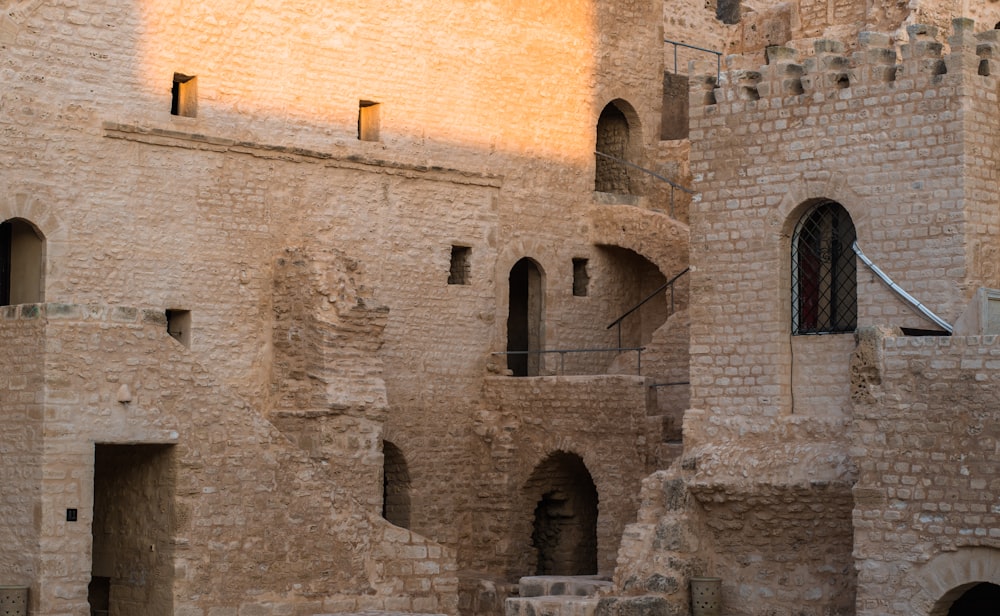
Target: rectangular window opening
460	271
184	96
368	121
581	280
179	326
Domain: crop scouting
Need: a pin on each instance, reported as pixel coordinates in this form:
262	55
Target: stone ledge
197	141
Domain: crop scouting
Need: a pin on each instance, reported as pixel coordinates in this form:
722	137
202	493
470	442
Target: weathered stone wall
599	418
924	440
484	143
982	129
257	524
766	449
22	343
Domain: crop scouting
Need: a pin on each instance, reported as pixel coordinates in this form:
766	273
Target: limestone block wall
254	524
924	439
983	128
22	410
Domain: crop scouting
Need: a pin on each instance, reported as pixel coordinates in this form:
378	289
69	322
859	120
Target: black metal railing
563	352
668	284
717	54
673	185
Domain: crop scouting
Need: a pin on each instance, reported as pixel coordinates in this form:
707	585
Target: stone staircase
557	595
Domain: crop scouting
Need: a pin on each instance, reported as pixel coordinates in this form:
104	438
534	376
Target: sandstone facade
317	308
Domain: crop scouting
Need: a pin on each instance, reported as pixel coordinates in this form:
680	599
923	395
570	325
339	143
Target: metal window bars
824	272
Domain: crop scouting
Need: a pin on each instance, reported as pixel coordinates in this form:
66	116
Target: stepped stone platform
557	595
376	613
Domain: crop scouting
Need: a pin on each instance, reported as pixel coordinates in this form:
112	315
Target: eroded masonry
500	309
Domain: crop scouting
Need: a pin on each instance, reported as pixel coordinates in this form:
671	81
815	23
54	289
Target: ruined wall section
924	440
601	419
329	396
258	524
22	343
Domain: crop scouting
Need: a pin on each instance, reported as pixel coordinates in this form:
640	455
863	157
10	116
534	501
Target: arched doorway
22	254
981	599
395	486
524	319
564	527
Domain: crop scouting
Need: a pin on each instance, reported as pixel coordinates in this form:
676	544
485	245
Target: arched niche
618	141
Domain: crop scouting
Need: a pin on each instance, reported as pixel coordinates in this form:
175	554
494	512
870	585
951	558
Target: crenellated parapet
830	71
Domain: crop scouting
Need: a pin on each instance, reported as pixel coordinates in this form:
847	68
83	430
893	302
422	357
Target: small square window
581	280
184	96
179	326
368	121
460	266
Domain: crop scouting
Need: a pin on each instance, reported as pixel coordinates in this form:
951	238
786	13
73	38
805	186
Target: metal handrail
563	352
673	184
718	56
669	283
671	384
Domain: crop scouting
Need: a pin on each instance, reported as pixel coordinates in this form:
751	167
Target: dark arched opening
564	530
22	255
524	319
395	486
980	600
613	140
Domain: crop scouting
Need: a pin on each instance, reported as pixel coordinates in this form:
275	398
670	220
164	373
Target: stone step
376	613
561	605
559	585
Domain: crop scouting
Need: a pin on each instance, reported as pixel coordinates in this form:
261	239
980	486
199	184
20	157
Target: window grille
824	272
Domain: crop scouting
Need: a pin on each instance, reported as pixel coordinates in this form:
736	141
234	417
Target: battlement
922	61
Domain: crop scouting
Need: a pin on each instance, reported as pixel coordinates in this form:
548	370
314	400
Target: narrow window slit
184	96
581	279
368	121
179	326
459	271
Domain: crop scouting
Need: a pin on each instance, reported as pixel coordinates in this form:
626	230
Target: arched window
824	272
21	263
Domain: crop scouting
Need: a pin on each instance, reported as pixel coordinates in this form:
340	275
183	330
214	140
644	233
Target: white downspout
924	310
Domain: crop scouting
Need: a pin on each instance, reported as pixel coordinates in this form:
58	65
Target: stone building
315	308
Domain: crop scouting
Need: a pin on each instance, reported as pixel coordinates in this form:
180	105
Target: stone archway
949	576
564	526
981	599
